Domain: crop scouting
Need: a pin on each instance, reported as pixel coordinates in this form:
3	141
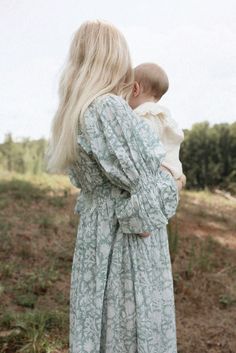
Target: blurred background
195	42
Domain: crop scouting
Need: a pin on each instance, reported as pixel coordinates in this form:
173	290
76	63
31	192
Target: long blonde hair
98	63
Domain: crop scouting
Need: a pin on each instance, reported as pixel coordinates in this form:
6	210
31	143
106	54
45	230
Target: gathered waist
89	200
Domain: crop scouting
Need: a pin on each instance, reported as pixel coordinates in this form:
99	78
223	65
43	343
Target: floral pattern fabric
121	298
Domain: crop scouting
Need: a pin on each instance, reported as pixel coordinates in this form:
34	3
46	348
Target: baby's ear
136	89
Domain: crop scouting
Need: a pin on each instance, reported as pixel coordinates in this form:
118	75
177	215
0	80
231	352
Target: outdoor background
195	42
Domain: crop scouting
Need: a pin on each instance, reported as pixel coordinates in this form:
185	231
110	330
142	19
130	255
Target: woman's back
121	286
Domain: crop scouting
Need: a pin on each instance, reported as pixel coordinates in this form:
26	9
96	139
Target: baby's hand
162	167
182	179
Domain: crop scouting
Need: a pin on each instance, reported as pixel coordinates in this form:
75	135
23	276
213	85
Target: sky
194	41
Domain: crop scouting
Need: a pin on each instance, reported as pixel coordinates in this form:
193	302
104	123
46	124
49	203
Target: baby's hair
153	79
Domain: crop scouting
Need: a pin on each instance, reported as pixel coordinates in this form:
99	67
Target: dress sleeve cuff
150	204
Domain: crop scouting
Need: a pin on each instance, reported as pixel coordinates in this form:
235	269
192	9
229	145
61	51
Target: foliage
208	154
27	156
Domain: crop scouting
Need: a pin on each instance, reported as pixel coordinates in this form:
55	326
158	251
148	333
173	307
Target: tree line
26	156
208	154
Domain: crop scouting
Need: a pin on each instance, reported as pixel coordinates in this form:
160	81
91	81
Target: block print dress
121	297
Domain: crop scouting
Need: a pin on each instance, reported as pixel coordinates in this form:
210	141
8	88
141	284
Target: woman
121	297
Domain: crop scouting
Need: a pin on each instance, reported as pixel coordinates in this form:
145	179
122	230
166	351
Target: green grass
173	238
6	269
37	233
32	332
22	190
36	283
226	301
45	221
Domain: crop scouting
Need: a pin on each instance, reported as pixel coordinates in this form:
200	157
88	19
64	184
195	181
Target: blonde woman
121	298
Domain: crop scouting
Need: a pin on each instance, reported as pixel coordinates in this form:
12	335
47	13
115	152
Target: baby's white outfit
170	134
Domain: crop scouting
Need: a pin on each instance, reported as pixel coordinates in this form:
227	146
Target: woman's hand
144	235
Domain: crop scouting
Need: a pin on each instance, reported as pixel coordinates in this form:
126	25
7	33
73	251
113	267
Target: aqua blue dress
121	298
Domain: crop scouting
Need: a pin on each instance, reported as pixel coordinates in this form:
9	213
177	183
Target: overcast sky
194	41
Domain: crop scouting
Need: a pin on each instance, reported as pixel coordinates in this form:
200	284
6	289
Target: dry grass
205	274
38	229
37	233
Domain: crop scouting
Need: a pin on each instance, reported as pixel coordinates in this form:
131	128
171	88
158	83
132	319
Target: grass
204	273
38	229
32	285
32	332
45	222
173	238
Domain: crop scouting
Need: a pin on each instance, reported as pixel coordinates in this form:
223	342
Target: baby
151	83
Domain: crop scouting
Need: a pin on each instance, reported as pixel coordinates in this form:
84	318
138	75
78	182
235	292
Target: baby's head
150	83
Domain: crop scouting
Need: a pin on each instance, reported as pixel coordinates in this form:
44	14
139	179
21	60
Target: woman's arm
129	154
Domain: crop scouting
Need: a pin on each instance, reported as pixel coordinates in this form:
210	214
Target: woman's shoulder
108	109
111	101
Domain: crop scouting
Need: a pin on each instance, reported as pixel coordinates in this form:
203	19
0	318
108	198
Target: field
37	233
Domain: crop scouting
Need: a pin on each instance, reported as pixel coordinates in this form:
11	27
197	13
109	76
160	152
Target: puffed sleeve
129	154
73	177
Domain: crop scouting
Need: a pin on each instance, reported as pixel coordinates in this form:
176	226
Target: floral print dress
121	298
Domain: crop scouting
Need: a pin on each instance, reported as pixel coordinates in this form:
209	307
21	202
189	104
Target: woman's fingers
145	234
